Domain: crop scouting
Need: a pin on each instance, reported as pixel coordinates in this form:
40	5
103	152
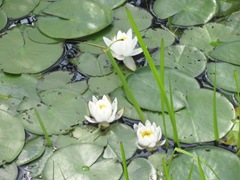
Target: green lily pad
113	3
83	165
186	13
209	36
9	104
146	91
195	122
16	9
228	52
104	85
59	109
142	18
16	87
12	137
227	7
233	21
31	151
224	163
120	133
35	35
61	141
224	75
149	37
3	19
74	19
94	66
61	80
185	58
9	172
141	168
232	136
28	56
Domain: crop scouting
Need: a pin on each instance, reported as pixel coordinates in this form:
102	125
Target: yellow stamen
147	133
101	106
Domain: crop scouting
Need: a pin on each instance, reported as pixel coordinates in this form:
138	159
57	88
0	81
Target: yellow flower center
102	106
147	133
124	38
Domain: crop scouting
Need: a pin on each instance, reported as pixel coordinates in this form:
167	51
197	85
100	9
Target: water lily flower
149	135
103	111
123	48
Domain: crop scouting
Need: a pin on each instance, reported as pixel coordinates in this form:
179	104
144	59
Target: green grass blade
162	62
238	95
165	169
125	170
201	172
190	172
125	85
49	143
155	74
215	122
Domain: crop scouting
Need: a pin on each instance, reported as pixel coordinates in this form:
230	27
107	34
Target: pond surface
52	62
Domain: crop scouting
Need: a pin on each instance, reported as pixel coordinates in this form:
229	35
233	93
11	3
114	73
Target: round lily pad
228	52
28	56
186	13
185	58
61	80
9	172
3	19
113	3
94	66
59	109
62	164
16	9
147	93
31	151
74	19
224	75
195	122
207	37
233	21
12	137
149	37
225	164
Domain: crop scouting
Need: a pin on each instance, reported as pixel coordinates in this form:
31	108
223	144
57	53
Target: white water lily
149	135
103	111
123	48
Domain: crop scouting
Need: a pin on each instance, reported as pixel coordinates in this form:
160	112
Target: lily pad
3	19
59	109
62	164
233	20
146	91
104	85
74	19
141	168
224	163
113	3
151	41
18	87
31	151
186	13
195	122
224	75
209	36
28	56
185	58
9	172
94	66
61	80
12	137
228	52
16	9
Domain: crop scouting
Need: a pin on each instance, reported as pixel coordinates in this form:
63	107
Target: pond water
56	70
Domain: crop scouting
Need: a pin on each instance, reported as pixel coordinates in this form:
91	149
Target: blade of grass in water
125	85
156	76
125	170
238	109
190	172
201	172
162	62
215	122
165	169
49	143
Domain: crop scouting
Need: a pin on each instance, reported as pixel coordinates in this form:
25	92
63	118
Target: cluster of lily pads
40	39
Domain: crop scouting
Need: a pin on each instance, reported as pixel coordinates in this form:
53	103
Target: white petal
136	52
94	99
107	41
91	120
129	33
119	114
130	63
114	106
134	42
92	108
